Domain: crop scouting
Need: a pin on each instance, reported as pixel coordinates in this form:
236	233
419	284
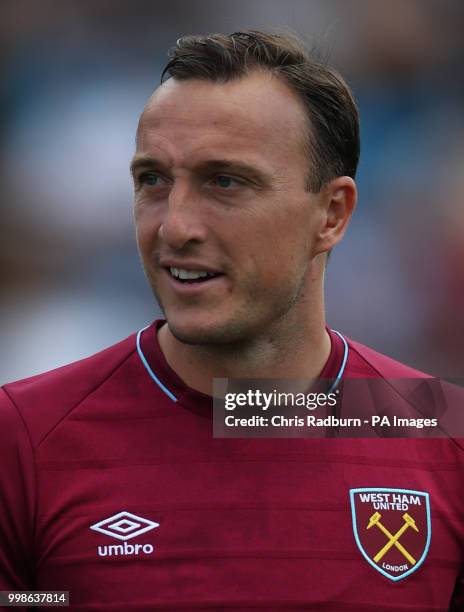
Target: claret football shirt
113	488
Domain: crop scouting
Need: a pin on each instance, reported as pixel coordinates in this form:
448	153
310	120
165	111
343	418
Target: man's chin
187	336
212	334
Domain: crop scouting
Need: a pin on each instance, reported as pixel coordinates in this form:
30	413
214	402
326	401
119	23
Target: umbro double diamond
124	526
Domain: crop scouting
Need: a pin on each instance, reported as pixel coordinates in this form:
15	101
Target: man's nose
182	222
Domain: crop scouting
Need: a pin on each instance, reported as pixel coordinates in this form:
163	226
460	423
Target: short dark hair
333	135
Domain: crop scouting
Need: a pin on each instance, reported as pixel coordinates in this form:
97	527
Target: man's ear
338	201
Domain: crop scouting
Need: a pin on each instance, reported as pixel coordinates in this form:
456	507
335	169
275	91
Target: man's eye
152	179
226	182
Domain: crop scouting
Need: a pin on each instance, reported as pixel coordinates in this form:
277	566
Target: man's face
220	188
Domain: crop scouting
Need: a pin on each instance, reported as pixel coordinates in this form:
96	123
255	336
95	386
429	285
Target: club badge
392	529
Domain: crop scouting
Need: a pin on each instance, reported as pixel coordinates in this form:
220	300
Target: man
113	487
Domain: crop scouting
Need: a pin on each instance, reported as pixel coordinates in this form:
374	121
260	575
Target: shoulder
42	401
413	393
365	362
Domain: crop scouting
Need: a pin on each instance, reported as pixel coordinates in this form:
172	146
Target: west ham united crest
392	529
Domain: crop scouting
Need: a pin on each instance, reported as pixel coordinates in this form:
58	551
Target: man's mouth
191	276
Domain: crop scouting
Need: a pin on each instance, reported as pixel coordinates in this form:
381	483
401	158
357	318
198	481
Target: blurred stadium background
75	76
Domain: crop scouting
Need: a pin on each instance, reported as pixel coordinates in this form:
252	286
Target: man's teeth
189	274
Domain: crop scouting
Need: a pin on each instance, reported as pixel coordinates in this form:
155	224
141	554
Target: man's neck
301	357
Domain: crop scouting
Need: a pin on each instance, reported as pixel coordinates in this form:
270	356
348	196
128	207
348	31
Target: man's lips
189	266
195	285
182	274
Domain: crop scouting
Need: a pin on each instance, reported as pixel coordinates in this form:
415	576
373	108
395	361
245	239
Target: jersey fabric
114	489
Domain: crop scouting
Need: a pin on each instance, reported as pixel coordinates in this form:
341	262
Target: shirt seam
453	440
86	396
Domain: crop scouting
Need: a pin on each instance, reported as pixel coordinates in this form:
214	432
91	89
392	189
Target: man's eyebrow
144	162
236	167
251	171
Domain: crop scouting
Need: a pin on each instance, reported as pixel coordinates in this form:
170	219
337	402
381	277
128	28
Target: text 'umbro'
124	549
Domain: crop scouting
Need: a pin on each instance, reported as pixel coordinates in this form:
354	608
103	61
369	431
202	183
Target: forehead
256	114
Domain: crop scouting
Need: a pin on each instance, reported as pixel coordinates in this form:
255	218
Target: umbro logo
124	526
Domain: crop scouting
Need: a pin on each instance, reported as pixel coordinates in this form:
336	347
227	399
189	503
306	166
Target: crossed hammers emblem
393	539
